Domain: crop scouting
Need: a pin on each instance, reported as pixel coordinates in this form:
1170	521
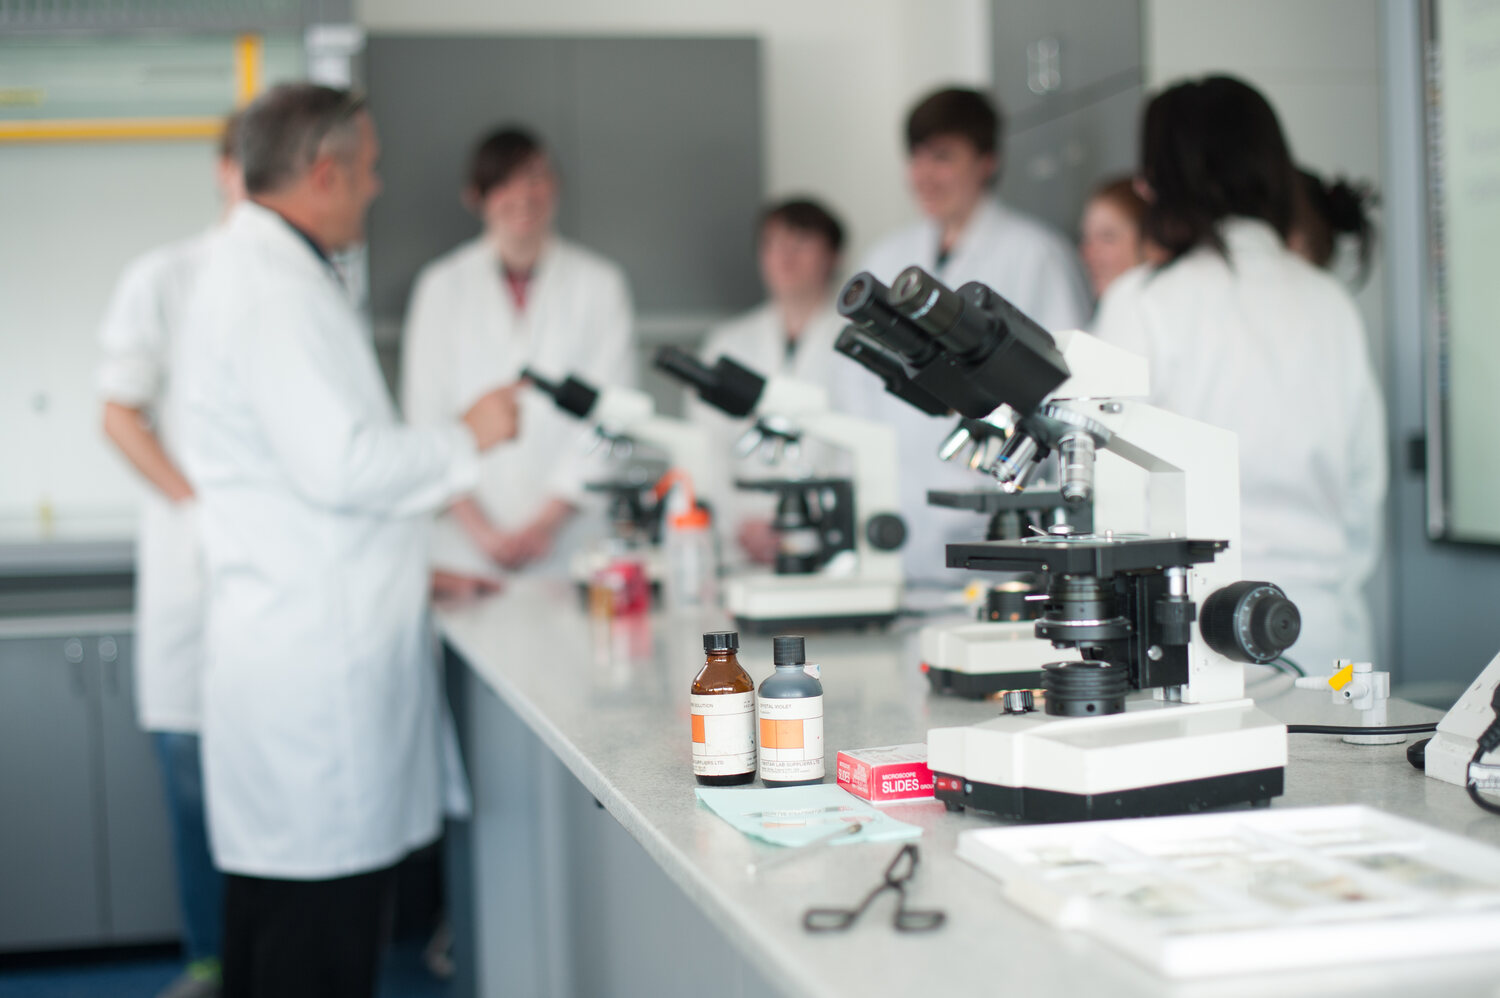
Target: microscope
1151	718
838	561
625	428
999	650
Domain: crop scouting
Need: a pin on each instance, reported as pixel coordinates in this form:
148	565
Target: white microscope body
1197	744
862	583
843	570
624	419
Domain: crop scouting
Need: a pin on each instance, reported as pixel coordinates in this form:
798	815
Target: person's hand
758	539
496	417
458	586
515	549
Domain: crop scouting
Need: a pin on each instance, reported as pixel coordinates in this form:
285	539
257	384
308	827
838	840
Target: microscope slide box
889	773
1244	892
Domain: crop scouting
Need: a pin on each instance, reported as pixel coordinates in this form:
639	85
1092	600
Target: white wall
73	216
1319	65
839	76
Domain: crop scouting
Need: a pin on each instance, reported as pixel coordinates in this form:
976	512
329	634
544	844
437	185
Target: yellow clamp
1343	677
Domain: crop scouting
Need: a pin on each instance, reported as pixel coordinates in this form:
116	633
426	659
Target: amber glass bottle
723	708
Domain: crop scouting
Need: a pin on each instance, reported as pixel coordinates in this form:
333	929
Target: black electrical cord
1345	729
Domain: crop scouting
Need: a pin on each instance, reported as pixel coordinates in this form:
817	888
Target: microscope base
766	604
974	659
1155	758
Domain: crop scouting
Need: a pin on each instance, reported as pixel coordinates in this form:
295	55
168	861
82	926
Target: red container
890	773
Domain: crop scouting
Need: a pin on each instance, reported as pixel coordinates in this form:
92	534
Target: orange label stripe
699	735
780	734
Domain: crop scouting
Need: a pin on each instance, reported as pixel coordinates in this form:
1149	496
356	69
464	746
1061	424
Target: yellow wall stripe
110	129
247	68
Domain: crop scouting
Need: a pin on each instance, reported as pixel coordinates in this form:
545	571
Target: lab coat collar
1249	235
988	214
540	273
263	223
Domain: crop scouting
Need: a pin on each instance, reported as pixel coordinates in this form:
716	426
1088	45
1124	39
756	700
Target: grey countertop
611	701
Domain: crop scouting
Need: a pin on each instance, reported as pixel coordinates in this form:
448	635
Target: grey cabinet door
1098	45
50	848
432	97
658	142
140	880
1051	169
669	166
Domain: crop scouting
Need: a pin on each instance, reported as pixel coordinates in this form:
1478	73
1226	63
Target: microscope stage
1155	758
1094	555
976	658
763	604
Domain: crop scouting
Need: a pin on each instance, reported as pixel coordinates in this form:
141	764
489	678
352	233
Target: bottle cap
789	649
721	641
696	518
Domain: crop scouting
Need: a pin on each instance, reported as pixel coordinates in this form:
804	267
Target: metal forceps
901	869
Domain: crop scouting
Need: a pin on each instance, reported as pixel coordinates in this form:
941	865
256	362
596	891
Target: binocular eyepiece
968	350
730	387
570	394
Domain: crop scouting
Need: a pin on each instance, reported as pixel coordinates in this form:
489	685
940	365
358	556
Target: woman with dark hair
516	295
1243	333
1326	212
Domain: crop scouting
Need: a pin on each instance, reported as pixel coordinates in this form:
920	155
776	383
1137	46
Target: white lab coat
322	741
464	336
1270	347
757	339
140	326
1031	266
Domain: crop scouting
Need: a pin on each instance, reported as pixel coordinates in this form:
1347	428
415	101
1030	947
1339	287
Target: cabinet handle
1044	66
73	654
109	650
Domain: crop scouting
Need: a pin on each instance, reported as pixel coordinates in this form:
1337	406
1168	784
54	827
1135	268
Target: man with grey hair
322	733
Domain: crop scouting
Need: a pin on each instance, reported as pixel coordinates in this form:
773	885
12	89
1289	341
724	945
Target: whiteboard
1463	373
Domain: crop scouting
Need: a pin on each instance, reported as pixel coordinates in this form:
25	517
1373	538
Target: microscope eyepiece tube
924	300
866	303
685	368
860	345
728	386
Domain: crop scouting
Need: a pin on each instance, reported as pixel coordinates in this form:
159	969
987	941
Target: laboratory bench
589	867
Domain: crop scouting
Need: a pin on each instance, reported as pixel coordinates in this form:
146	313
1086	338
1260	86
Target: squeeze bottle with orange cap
690	576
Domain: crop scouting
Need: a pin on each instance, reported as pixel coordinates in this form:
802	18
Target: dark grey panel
50	870
1098	45
669	172
140	877
1051	168
432	97
658	142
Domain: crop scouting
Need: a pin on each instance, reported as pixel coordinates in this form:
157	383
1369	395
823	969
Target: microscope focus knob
886	531
1250	622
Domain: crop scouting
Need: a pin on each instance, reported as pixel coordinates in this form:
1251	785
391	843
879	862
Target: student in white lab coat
1110	238
143	321
954	149
321	705
1244	334
790	335
517	295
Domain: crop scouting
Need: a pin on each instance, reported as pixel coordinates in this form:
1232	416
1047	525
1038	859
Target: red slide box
890	773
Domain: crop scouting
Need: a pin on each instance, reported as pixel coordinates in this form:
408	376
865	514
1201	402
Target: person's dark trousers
200	888
314	938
